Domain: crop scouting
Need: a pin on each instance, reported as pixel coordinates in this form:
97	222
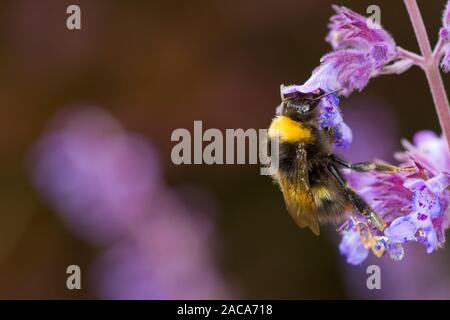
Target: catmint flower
359	53
352	247
444	34
414	205
347	70
351	30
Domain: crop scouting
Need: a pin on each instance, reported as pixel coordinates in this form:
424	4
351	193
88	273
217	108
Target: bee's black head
301	107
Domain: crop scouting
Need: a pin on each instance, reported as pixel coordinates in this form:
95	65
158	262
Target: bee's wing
300	206
298	198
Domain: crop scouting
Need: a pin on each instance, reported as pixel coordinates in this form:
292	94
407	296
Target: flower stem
414	57
439	50
431	68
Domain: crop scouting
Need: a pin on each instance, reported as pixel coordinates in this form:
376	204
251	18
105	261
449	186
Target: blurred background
85	170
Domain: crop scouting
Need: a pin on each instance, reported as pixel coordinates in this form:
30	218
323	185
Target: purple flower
351	30
97	176
360	53
165	258
415	206
444	34
348	70
430	151
343	135
445	63
106	185
352	247
344	70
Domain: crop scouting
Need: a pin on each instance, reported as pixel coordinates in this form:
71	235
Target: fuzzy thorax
288	130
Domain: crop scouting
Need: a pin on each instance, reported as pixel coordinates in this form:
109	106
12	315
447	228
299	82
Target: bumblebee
308	174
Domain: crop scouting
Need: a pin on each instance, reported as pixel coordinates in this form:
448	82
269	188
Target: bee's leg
358	203
370	166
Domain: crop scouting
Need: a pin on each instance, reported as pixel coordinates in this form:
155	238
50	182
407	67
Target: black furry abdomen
330	207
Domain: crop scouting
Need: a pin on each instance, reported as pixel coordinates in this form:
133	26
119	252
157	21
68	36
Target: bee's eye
303	108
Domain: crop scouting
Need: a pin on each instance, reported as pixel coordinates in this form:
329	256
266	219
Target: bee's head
301	107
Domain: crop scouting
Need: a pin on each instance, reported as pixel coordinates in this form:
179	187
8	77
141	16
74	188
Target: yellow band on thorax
289	130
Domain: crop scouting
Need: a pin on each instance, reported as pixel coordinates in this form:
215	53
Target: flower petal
350	29
352	247
401	230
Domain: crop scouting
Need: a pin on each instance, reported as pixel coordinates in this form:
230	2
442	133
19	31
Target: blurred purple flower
414	205
169	252
106	185
364	113
416	277
98	177
166	257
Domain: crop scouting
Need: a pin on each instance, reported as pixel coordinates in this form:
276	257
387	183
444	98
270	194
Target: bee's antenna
327	94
